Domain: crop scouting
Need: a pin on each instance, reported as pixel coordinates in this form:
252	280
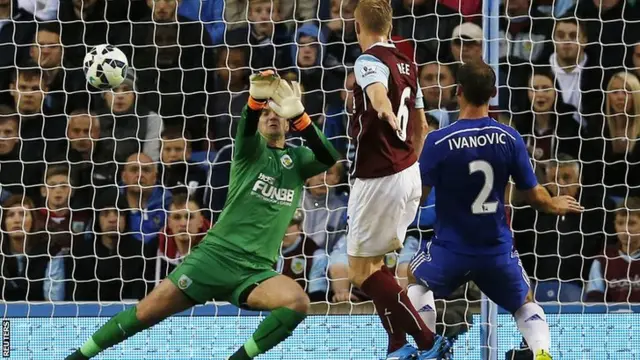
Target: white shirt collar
553	60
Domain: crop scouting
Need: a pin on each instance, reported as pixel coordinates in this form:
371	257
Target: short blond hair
375	16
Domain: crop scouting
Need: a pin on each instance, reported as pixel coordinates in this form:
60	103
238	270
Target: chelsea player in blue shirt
469	163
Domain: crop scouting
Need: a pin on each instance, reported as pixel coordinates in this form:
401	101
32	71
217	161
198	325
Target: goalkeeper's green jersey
264	191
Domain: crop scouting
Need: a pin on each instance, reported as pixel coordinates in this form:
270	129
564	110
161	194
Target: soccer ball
105	67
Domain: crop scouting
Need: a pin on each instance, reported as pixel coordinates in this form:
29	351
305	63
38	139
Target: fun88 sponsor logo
264	189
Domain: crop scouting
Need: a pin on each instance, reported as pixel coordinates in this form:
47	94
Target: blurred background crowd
104	192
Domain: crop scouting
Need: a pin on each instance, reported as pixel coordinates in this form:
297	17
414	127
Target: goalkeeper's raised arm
248	142
286	103
267	91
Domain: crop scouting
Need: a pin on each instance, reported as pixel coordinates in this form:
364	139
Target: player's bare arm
377	94
540	199
420	131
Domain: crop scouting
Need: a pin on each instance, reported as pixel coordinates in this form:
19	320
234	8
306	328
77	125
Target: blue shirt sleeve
209	12
53	287
428	162
410	248
370	70
426	216
522	171
318	280
338	254
596	279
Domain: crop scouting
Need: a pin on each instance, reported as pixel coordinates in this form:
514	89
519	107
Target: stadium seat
556	291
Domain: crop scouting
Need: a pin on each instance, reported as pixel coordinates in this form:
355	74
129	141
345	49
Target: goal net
103	193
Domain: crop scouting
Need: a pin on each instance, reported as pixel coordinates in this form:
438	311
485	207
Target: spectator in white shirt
580	84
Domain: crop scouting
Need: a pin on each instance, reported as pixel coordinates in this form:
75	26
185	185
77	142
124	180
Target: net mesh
104	192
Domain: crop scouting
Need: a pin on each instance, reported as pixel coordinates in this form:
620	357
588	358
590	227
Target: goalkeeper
235	261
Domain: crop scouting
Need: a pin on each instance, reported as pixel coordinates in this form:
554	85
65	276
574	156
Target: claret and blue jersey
469	163
381	151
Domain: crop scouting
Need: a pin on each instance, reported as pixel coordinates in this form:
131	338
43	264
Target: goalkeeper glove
286	102
262	87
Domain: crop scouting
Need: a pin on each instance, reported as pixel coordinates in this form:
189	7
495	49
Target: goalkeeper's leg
288	304
165	300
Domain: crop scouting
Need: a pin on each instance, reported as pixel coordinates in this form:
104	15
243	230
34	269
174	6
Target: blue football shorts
501	277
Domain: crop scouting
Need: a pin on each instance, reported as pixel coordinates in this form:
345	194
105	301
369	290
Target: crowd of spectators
104	192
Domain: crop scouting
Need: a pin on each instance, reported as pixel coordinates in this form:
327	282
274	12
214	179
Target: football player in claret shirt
235	260
470	163
388	128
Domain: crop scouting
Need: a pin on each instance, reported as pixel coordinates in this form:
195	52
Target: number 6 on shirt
403	114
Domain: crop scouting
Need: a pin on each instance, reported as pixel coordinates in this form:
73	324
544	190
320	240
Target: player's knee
162	302
529	298
529	303
147	312
410	278
152	310
356	277
299	302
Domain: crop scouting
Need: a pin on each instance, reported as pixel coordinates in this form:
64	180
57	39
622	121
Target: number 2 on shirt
480	204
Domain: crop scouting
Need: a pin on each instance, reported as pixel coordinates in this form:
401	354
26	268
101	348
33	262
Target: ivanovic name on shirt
477	141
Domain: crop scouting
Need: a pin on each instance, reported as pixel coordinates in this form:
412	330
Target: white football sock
532	323
422	299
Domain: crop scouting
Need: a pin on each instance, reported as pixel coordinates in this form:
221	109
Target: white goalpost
490	53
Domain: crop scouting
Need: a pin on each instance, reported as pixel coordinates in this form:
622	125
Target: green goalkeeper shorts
212	273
